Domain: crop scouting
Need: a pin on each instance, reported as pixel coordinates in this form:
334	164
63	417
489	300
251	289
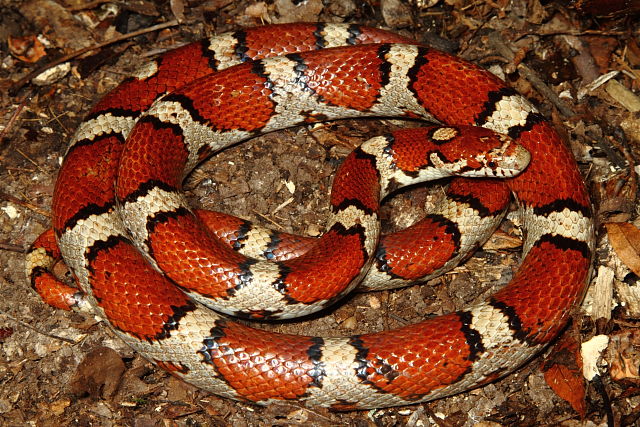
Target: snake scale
150	265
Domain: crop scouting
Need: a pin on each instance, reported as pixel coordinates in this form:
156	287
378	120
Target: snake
159	272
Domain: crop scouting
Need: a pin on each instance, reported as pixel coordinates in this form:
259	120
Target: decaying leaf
563	373
625	240
27	48
624	356
622	95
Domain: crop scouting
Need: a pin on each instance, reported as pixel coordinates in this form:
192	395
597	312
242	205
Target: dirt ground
60	368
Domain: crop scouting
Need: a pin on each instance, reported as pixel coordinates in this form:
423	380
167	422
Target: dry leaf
142	7
57	408
501	241
602	49
623	96
591	353
633	53
99	374
52	74
563	373
27	48
177	8
624	356
5	333
258	10
607	7
625	240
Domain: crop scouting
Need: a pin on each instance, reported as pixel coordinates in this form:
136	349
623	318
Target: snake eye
492	164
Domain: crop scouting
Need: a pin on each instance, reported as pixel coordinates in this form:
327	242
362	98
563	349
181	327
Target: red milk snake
152	312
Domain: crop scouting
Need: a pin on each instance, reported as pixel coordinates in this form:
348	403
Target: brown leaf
58	407
98	374
142	7
501	241
27	48
602	49
607	7
177	8
624	356
633	53
625	240
174	411
5	333
563	373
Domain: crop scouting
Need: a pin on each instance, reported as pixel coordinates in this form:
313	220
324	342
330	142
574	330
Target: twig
531	76
154	52
626	152
11	247
87	6
28	326
15	115
56	117
20	83
598	385
436	419
311	411
399	319
29	159
13	199
577	33
634	74
268	219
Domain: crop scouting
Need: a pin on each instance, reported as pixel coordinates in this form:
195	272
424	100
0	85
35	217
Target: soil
62	368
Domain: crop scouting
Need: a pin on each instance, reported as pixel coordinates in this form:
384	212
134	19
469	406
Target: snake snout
504	161
511	159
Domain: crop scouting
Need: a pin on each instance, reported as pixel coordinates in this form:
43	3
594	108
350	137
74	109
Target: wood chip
623	96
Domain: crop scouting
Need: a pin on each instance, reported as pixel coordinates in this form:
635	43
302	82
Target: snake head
505	159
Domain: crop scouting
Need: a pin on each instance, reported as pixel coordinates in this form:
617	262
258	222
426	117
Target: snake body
190	103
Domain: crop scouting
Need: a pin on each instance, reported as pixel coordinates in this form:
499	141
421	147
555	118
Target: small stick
578	33
20	83
11	247
87	6
531	76
56	117
29	159
633	176
268	219
28	326
15	115
13	199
